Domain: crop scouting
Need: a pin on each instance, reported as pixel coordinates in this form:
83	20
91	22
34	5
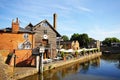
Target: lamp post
41	51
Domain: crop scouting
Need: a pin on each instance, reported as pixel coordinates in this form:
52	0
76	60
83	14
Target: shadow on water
64	71
96	69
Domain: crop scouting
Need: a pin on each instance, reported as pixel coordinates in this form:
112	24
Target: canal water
105	68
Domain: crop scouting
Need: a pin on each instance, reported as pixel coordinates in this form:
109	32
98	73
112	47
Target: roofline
58	35
3	31
53	29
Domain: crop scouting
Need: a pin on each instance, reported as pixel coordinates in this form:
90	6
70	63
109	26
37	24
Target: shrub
62	54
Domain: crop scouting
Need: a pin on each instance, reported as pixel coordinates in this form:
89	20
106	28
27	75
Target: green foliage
83	39
50	67
62	54
108	41
65	38
44	68
76	52
75	37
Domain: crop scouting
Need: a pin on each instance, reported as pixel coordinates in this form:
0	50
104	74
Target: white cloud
100	33
81	8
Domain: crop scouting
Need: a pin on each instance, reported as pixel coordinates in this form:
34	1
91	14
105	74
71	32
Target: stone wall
72	61
6	72
4	54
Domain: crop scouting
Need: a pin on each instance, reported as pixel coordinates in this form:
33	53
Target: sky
98	18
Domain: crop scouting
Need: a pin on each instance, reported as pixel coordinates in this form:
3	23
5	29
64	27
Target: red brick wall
10	41
23	57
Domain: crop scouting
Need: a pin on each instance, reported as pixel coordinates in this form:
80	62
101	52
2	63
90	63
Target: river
105	68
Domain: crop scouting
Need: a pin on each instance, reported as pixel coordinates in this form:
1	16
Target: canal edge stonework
22	72
72	61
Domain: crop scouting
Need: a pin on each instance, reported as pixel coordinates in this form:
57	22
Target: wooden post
41	63
41	51
37	62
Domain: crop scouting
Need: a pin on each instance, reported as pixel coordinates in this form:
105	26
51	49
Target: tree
109	40
65	38
83	39
75	37
114	39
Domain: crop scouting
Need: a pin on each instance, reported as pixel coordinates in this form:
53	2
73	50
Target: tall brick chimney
15	26
55	21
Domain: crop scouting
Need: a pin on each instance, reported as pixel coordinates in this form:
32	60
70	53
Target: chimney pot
15	26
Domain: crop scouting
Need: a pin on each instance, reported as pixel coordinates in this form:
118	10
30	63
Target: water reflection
112	58
95	63
61	73
118	66
105	68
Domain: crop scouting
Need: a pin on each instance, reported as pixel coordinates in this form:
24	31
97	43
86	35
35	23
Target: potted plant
76	53
63	55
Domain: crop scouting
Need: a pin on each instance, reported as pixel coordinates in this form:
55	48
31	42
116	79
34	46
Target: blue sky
98	18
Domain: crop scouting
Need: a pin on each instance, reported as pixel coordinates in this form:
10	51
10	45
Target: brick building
70	45
46	35
18	41
94	44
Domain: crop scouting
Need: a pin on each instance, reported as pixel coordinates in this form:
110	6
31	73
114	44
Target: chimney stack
15	26
55	21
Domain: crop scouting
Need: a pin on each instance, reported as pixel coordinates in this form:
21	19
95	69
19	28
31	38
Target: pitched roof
29	27
21	30
58	35
30	24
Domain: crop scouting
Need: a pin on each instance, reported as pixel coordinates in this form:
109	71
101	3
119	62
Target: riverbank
21	72
107	49
100	68
81	59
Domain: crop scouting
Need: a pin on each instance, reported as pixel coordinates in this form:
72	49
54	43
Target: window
27	45
20	46
45	24
25	36
45	31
